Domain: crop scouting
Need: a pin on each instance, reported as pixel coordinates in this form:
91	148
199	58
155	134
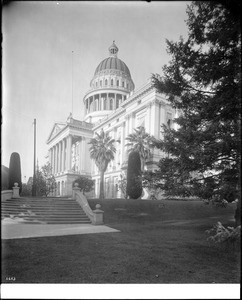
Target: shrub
84	183
229	235
134	179
26	190
15	171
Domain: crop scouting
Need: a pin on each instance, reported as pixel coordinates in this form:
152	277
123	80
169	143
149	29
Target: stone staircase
43	211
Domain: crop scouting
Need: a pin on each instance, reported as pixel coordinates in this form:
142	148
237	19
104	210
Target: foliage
221	234
84	183
152	182
45	181
122	185
15	171
203	83
102	151
141	142
134	179
26	190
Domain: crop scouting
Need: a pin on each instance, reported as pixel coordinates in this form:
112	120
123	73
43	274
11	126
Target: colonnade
60	155
104	101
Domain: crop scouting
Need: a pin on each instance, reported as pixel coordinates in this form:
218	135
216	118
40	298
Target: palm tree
102	151
141	142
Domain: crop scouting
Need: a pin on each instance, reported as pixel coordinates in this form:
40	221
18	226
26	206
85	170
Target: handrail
82	200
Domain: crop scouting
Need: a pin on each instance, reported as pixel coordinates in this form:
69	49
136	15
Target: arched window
106	82
111	82
111	104
100	82
117	82
123	84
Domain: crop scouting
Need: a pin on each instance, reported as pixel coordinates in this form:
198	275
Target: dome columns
104	101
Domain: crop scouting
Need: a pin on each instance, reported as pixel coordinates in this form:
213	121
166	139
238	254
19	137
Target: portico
68	146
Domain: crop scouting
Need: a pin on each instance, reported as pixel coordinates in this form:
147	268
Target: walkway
12	230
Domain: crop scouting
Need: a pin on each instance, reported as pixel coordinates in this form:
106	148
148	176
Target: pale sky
38	40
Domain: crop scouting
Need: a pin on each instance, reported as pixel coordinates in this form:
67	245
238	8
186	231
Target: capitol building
114	105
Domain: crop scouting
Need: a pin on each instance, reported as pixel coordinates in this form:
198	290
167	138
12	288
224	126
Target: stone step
27	206
51	218
47	211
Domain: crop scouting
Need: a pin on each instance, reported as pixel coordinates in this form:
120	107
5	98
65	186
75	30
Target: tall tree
203	81
15	171
141	142
102	151
134	179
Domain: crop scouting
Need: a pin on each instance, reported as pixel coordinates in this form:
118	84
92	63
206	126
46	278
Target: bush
134	179
26	190
84	183
221	234
15	171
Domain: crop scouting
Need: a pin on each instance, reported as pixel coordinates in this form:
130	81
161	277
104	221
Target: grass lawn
156	244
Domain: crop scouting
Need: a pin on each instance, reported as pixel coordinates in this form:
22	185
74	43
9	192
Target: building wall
145	107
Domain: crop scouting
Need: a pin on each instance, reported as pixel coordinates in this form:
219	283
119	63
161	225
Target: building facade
111	104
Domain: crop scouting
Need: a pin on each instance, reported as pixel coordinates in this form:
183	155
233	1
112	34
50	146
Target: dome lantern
113	50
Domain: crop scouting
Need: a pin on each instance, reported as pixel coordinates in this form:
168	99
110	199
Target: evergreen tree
15	171
102	151
134	179
203	82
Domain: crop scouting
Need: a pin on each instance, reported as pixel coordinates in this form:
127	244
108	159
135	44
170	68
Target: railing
7	194
95	216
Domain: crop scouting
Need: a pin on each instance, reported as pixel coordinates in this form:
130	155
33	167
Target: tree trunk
101	195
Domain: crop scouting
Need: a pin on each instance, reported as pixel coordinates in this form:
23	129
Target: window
112	82
111	104
123	84
106	82
100	82
117	82
105	104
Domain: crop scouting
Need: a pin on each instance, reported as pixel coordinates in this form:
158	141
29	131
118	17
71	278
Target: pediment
57	127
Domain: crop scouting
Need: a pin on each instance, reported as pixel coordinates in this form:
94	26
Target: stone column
83	153
99	102
59	156
55	158
80	155
147	119
155	118
126	134
115	101
123	142
68	153
63	155
50	157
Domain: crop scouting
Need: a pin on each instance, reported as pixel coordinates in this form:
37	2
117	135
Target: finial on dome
113	50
